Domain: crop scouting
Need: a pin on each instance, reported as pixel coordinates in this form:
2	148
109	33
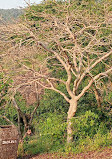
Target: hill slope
10	14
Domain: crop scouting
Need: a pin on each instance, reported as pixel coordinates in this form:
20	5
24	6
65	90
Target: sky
8	4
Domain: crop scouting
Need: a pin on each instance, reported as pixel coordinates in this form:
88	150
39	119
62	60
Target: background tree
25	104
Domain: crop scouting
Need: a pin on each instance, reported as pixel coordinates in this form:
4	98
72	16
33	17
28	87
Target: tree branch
92	66
92	80
4	117
58	91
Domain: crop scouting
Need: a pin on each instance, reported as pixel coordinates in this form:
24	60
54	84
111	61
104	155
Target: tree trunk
21	114
71	113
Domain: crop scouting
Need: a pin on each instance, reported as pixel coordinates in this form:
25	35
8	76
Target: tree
76	38
23	83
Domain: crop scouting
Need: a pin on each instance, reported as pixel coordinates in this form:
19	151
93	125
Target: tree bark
21	115
71	113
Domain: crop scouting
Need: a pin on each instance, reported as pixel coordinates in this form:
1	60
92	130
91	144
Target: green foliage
89	130
90	144
85	125
52	102
50	135
54	125
10	112
86	103
4	86
23	105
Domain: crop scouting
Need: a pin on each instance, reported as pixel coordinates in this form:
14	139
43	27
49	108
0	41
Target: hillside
10	14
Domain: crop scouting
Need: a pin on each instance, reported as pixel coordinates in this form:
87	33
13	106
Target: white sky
7	4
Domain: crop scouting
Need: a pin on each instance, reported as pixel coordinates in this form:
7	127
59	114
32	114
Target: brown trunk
21	115
71	113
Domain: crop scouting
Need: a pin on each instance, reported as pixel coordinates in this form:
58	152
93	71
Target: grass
34	145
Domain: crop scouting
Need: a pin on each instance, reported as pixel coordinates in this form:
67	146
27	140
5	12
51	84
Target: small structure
9	140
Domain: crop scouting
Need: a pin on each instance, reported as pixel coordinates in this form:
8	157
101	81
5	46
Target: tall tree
76	38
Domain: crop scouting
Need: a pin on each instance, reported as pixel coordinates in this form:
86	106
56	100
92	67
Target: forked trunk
71	113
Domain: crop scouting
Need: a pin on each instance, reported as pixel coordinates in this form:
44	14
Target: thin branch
4	117
92	66
52	88
92	80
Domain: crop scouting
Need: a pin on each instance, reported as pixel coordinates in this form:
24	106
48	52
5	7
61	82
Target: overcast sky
7	4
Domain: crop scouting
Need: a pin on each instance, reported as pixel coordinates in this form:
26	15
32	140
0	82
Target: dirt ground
100	154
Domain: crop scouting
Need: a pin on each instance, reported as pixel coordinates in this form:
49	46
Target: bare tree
76	38
25	84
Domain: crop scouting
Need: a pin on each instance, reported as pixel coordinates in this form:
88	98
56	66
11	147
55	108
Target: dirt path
100	154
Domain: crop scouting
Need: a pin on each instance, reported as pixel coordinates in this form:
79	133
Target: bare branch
92	66
53	88
92	80
4	117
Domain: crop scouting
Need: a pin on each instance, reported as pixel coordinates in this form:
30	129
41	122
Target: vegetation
63	51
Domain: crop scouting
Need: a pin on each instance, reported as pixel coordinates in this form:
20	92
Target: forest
56	77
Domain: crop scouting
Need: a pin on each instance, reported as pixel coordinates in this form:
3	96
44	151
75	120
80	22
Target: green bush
53	130
50	136
90	133
53	102
85	125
